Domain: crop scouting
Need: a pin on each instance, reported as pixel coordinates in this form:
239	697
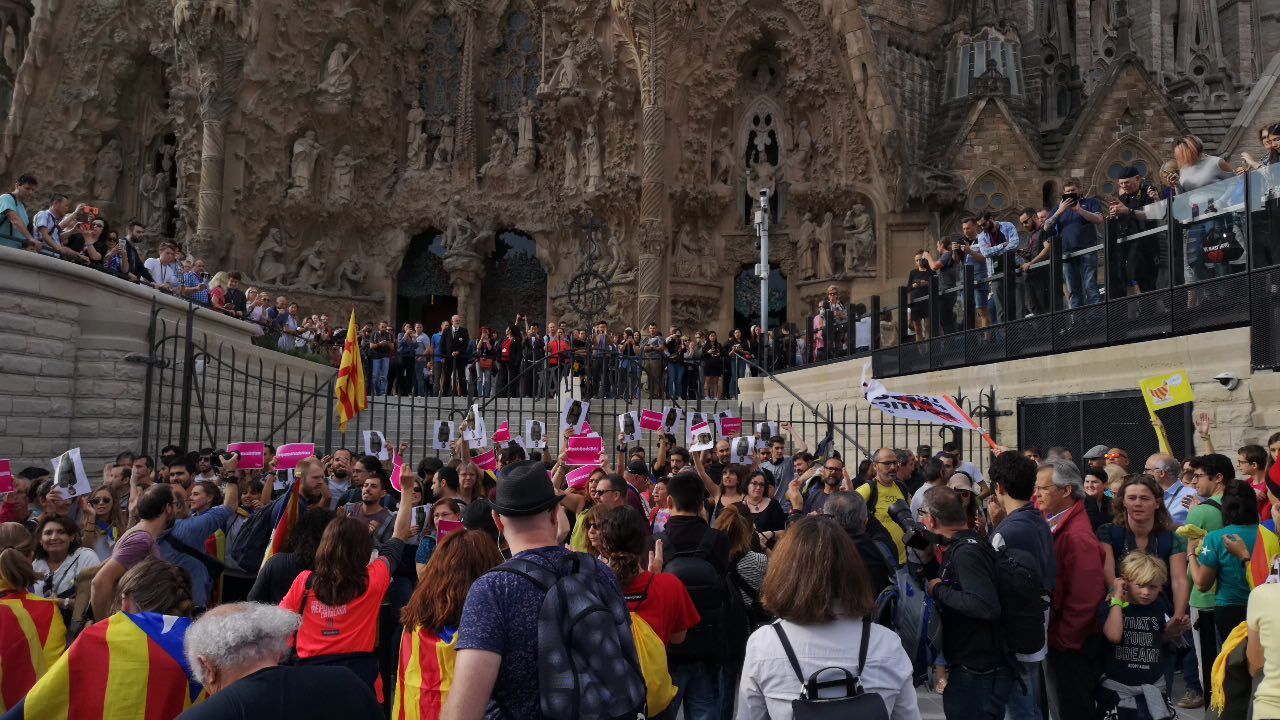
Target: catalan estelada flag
349	389
292	510
127	667
426	673
32	638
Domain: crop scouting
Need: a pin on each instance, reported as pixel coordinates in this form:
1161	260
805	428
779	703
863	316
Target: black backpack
706	641
1023	598
588	664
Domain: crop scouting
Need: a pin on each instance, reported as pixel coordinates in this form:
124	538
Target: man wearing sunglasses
832	476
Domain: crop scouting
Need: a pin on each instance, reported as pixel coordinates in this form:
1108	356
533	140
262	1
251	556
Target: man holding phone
1075	220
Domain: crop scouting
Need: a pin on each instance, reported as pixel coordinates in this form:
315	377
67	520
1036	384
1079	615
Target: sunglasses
832	469
100	501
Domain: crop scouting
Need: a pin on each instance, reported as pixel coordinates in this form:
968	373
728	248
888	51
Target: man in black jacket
979	679
532	383
454	345
849	511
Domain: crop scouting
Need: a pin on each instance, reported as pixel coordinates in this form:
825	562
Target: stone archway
423	290
514	281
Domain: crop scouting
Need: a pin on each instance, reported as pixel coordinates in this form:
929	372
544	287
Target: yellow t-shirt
886	497
1264	616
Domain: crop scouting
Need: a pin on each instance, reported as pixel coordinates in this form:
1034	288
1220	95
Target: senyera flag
349	389
933	409
288	519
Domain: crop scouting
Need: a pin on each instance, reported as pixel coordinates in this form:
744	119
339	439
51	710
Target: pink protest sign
6	477
650	420
586	428
577	478
288	456
502	434
584	450
252	455
487	461
397	469
444	527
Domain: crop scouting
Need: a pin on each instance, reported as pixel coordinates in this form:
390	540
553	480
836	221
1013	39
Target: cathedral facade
583	160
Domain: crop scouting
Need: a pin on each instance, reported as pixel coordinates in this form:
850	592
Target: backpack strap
1213	504
866	641
786	647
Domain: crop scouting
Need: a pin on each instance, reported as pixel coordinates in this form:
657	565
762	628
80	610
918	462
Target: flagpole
811	408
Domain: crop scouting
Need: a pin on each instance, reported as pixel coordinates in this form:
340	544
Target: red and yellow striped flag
127	667
426	674
32	638
285	523
349	389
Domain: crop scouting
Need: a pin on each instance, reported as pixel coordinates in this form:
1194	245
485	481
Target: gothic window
1127	157
975	57
441	66
762	139
990	194
518	63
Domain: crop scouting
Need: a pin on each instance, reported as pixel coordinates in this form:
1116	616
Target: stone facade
323	148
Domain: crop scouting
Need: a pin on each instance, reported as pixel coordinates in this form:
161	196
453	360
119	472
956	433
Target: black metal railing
1201	260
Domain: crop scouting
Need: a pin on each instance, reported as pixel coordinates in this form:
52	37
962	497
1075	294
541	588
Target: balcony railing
1206	259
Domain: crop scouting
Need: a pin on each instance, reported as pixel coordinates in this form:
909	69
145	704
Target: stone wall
1248	414
70	339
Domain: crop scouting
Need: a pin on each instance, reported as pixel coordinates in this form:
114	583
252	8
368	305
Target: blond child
1136	629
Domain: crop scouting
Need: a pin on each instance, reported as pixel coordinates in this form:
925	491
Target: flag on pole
289	514
350	386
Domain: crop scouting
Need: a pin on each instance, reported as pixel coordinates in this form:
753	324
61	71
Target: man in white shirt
1166	471
49	224
165	270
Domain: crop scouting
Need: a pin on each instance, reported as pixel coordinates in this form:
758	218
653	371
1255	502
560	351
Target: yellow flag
1164	391
349	389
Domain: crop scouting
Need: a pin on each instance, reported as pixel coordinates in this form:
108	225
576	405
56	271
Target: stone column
465	271
464	148
651	31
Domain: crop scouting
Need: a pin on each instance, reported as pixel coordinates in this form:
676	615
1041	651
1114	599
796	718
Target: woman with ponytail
32	633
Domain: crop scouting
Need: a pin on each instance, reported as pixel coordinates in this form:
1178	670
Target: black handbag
855	703
1221	245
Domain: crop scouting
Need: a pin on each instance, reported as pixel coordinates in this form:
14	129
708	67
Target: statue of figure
305	151
525	133
342	182
145	186
806	244
691	251
570	160
859	239
564	79
591	152
268	260
351	276
415	118
826	263
803	151
444	151
311	265
501	155
417	153
107	171
723	162
154	201
337	79
459	234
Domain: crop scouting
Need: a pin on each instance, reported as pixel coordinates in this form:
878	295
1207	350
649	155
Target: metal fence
1202	260
1115	419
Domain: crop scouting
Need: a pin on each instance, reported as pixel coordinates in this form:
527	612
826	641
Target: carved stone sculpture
859	240
826	263
502	154
311	266
591	154
570	160
337	80
415	117
269	264
806	246
723	162
802	153
351	276
691	253
153	202
443	157
107	171
342	181
303	165
564	80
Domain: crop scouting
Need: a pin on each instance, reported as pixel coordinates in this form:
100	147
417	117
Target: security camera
1227	380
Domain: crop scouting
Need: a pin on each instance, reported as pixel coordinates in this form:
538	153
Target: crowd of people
700	583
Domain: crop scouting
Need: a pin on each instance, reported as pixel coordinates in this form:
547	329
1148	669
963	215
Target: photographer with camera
966	592
1075	221
1138	259
50	223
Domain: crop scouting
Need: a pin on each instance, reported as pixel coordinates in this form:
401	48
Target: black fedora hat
524	489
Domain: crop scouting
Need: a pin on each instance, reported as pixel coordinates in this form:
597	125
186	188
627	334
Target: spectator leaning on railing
13	215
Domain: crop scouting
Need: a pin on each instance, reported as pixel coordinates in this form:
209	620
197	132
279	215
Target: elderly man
235	651
1165	469
849	511
1072	672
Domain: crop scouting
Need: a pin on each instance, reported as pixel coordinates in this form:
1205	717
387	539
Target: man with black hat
1138	258
637	476
498	633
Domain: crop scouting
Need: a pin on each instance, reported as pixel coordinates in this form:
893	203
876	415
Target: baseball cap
638	467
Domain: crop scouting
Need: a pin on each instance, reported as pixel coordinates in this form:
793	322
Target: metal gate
1115	419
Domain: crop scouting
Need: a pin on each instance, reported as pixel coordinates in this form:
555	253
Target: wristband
1119	603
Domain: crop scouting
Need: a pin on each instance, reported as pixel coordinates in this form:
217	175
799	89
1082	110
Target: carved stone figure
570	160
311	266
415	117
107	171
501	155
416	156
443	157
826	263
342	181
303	166
859	240
525	130
564	80
591	154
153	202
269	259
806	246
460	237
802	153
351	276
691	253
337	80
722	164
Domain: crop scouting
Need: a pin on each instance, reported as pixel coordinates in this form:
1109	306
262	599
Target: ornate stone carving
416	153
591	158
571	151
807	247
350	278
443	157
693	312
723	163
302	167
859	242
269	260
564	80
525	151
311	266
342	177
692	253
153	202
501	154
107	171
337	80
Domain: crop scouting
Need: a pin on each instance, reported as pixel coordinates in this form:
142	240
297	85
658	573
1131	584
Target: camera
1227	380
914	534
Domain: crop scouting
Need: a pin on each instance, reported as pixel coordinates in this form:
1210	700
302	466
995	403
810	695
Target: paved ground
931	705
